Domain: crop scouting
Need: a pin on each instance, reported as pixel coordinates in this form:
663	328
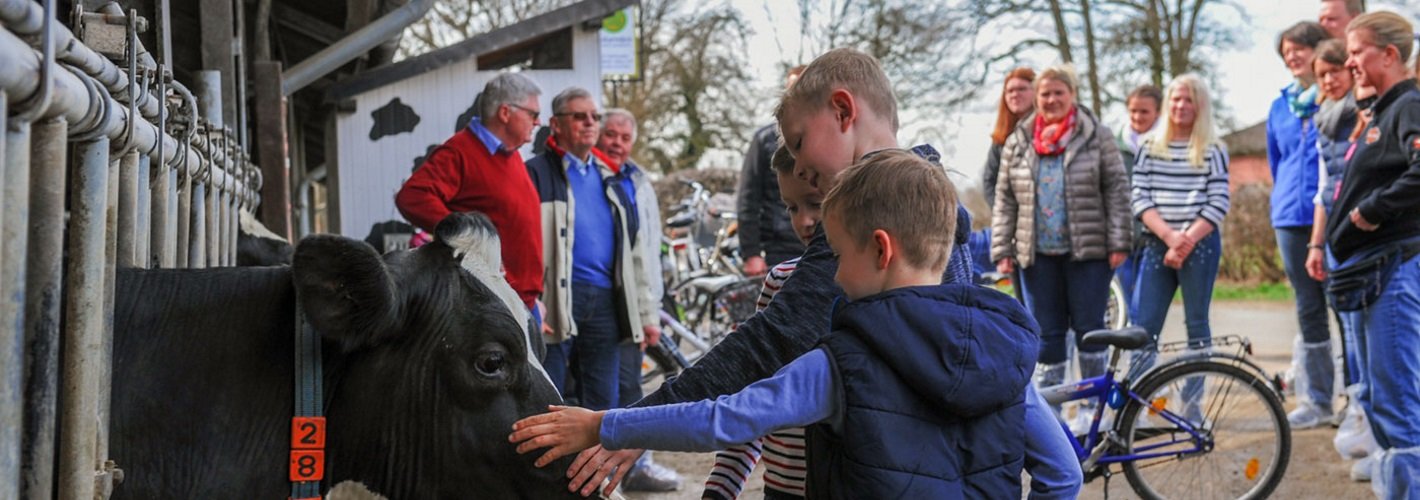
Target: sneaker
1308	416
652	477
1361	470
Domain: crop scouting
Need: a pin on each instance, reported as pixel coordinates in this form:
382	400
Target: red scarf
1050	138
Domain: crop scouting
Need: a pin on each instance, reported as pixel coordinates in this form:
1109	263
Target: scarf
1050	138
1302	101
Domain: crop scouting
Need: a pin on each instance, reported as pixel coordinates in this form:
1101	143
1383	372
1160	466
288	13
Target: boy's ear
844	107
884	243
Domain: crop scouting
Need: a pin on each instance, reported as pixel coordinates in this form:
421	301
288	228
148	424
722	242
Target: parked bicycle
1206	424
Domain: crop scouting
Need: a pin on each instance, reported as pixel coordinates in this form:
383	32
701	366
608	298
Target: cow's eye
491	364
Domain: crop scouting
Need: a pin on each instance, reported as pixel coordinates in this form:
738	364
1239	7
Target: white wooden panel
371	172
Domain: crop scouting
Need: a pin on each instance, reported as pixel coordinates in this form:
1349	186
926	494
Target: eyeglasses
582	116
531	112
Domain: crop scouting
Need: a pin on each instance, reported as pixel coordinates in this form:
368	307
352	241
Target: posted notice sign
618	46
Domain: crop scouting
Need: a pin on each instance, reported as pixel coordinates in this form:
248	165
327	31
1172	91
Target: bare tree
695	94
453	21
1172	36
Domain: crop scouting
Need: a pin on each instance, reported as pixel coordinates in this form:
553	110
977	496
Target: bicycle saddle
1132	337
681	220
713	283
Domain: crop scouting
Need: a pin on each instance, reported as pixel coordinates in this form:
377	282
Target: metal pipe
12	358
350	47
197	245
143	240
43	295
105	361
306	211
182	217
128	210
25	17
159	237
87	107
84	322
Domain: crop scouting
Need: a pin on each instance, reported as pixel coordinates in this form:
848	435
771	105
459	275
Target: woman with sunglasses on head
1374	236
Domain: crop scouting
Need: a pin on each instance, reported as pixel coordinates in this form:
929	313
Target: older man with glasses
480	169
590	227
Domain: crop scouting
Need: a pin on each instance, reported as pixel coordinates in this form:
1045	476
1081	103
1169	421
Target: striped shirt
782	452
1179	191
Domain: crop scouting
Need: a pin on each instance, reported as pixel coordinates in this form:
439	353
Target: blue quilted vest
931	401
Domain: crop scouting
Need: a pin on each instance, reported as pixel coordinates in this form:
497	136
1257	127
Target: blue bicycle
1205	424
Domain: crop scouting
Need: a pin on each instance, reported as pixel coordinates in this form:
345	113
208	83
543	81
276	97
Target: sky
1252	74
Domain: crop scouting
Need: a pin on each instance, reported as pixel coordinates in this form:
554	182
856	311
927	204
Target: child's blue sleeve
1050	459
800	394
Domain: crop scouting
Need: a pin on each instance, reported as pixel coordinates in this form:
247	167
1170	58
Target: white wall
371	172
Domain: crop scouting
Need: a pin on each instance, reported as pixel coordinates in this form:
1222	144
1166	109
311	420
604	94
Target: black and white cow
426	370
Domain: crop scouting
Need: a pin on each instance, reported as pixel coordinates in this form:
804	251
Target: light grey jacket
648	244
1096	194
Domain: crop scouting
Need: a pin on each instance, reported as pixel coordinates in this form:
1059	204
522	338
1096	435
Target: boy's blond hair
848	69
782	161
903	194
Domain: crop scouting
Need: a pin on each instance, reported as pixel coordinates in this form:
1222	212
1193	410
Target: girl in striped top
782	451
1181	194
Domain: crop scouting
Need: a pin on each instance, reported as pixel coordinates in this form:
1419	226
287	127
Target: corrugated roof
498	39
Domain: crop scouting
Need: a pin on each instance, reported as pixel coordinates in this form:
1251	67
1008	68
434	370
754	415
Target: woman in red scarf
1062	215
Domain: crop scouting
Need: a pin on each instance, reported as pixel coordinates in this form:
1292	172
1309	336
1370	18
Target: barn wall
371	171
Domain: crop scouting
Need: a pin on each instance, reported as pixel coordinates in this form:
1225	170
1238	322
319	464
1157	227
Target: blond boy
918	392
841	109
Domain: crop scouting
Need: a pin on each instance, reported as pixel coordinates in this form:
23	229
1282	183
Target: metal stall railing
153	181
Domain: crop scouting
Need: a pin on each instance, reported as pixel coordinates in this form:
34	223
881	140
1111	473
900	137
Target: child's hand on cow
564	429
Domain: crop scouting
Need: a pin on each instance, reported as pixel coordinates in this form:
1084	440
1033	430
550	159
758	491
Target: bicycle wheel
1234	442
1116	313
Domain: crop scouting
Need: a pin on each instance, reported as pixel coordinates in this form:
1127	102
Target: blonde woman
1181	194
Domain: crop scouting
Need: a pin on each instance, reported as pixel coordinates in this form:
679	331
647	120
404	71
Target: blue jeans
980	243
1311	300
629	375
598	348
1389	332
556	363
1065	295
1128	274
1156	284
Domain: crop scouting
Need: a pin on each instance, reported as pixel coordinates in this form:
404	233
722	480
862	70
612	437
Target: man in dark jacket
766	235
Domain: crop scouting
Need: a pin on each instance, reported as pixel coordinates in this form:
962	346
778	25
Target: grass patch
1280	292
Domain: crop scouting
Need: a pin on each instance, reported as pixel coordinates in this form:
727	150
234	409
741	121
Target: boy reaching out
919	392
841	109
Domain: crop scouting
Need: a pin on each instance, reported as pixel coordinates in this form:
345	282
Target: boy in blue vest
918	392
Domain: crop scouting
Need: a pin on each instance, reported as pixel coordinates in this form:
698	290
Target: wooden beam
305	24
271	149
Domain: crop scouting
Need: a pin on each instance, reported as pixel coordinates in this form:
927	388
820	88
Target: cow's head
436	363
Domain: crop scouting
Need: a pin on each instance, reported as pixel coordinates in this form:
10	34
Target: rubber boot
1354	439
1049	375
1314	393
1092	364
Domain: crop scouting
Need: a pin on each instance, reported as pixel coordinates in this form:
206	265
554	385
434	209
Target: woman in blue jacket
1292	155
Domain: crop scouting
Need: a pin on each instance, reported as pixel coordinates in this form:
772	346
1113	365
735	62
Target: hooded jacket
931	384
548	171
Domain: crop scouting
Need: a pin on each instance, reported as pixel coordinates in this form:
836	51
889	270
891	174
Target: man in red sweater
480	169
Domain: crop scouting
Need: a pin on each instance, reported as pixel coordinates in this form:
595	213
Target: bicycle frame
1095	451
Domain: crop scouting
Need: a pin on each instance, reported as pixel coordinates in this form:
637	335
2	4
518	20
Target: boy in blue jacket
919	391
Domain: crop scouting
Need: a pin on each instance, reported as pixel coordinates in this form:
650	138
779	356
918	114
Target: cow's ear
346	291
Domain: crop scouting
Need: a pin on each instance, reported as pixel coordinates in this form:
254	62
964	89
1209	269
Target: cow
427	364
